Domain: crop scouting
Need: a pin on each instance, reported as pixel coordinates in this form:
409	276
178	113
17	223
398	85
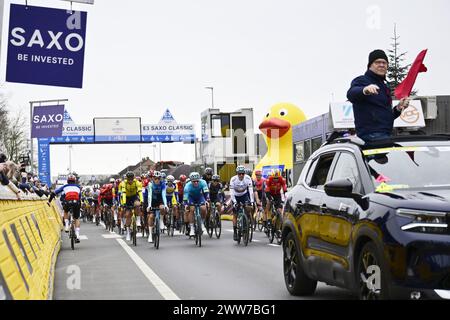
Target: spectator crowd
17	179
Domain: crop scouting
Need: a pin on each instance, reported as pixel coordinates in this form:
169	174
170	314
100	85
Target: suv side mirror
343	188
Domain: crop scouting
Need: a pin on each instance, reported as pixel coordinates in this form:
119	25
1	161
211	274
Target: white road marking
229	230
102	224
273	245
83	238
254	240
156	281
111	236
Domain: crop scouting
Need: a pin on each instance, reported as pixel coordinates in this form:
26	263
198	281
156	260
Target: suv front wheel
297	282
371	275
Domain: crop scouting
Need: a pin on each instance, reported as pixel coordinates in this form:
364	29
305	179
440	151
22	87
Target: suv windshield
409	167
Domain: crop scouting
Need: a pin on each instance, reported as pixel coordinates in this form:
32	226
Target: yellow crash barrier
30	240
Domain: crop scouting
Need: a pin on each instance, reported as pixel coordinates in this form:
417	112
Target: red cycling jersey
274	187
180	187
259	184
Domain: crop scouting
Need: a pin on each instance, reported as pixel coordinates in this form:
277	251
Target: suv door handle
299	205
323	208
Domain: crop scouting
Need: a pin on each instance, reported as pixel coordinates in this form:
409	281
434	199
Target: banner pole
31	137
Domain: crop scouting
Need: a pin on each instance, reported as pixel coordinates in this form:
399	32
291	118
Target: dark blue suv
374	219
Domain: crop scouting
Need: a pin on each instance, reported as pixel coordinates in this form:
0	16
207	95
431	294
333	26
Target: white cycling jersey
241	187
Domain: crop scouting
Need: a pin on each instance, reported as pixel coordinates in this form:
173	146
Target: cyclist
207	176
196	192
95	196
180	185
107	195
163	177
259	183
117	198
131	197
145	184
216	194
156	199
241	189
275	190
72	192
172	196
91	201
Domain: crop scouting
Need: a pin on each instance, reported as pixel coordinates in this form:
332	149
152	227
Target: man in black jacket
372	102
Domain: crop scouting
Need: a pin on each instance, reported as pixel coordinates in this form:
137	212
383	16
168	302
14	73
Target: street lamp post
212	95
70	158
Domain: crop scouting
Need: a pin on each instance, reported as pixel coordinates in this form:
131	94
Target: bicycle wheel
211	223
272	232
250	230
134	229
72	238
199	229
156	235
218	226
277	226
245	230
171	227
239	228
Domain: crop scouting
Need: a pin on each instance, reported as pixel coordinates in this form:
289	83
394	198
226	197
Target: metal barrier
30	240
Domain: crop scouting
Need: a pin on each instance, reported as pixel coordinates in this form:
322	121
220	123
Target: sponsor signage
168	130
44	161
267	169
117	129
46	46
47	121
343	118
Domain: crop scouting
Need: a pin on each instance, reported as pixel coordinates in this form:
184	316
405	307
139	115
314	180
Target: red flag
404	89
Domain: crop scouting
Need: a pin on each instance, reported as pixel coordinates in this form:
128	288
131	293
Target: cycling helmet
216	177
248	172
183	178
157	174
163	175
240	169
276	173
209	171
112	180
170	179
194	176
130	175
118	181
258	173
151	173
71	178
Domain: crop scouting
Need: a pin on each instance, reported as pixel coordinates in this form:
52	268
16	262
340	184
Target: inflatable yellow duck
277	127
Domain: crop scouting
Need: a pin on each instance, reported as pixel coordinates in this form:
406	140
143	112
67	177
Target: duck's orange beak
275	128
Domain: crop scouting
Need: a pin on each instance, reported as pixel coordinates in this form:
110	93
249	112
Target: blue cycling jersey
192	191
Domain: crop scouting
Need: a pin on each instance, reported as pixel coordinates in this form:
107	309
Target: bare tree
14	139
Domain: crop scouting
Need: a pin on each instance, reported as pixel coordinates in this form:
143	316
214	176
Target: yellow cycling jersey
131	189
170	189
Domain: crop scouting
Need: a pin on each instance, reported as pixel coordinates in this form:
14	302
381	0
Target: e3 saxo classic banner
46	46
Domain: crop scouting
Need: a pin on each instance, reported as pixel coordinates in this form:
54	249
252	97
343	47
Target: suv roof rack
344	137
347	137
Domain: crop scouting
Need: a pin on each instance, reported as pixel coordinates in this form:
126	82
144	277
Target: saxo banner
46	46
47	121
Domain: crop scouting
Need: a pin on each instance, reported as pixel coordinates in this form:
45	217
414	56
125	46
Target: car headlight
424	221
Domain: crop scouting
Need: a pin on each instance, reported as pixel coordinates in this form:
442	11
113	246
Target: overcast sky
145	56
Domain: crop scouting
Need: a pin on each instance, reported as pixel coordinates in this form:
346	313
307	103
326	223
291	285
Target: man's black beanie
377	54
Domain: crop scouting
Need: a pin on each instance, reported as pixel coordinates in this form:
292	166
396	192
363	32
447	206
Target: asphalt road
104	266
